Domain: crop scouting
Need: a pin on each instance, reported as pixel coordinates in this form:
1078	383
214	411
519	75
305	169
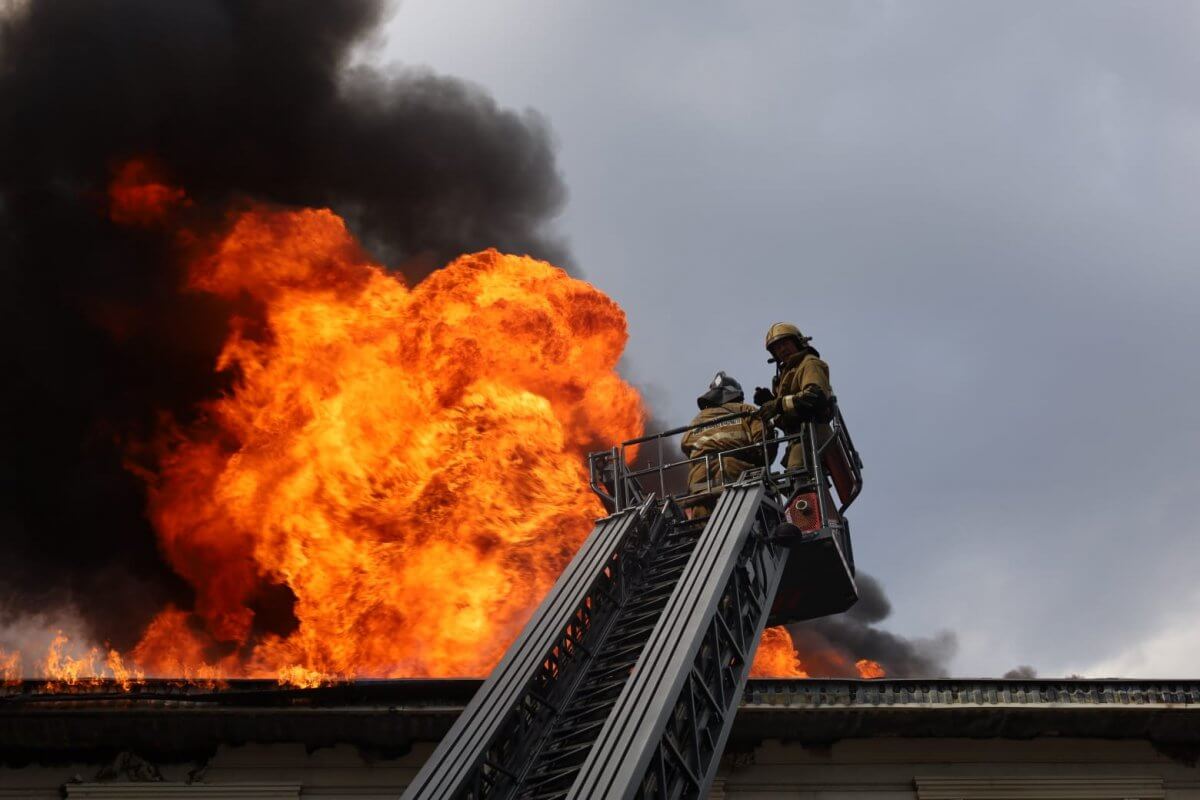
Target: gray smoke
830	647
1023	672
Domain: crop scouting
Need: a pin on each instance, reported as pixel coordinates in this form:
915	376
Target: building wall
856	769
261	772
957	769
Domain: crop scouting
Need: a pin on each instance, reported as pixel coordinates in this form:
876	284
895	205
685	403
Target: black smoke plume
236	100
830	647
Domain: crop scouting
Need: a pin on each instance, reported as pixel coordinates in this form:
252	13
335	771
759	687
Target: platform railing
623	475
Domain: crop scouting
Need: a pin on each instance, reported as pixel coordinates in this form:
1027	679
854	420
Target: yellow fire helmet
782	330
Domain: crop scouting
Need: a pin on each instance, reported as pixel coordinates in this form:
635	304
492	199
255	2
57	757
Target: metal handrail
613	479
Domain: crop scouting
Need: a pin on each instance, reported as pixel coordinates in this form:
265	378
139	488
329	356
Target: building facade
876	740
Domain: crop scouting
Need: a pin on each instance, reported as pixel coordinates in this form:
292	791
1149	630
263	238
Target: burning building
264	339
296	433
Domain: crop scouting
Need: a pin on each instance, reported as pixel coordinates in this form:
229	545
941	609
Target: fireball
406	461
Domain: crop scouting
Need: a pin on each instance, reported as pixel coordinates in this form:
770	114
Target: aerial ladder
625	681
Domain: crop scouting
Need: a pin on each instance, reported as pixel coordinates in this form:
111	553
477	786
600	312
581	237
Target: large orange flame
404	463
869	669
407	461
776	656
10	667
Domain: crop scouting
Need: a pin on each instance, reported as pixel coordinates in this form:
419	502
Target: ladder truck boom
625	681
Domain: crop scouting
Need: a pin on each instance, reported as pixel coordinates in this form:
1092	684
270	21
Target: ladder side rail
704	712
636	555
448	771
631	702
719	674
680	605
506	759
634	731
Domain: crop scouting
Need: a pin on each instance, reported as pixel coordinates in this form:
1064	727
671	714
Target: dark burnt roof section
170	721
157	692
175	721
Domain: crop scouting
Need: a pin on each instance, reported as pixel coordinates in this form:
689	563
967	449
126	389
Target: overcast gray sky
984	214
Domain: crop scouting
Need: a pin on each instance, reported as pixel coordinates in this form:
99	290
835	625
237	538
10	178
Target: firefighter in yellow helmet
800	392
711	434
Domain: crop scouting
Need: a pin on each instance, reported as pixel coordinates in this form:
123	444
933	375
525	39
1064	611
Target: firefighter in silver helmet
713	431
800	392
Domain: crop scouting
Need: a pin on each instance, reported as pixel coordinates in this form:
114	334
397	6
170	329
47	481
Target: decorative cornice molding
1039	788
170	791
1107	695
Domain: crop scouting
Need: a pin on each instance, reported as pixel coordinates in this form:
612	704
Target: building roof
170	720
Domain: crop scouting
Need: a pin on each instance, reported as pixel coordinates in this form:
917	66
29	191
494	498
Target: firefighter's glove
811	405
762	395
768	410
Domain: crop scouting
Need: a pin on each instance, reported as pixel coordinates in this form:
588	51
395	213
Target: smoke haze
830	646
